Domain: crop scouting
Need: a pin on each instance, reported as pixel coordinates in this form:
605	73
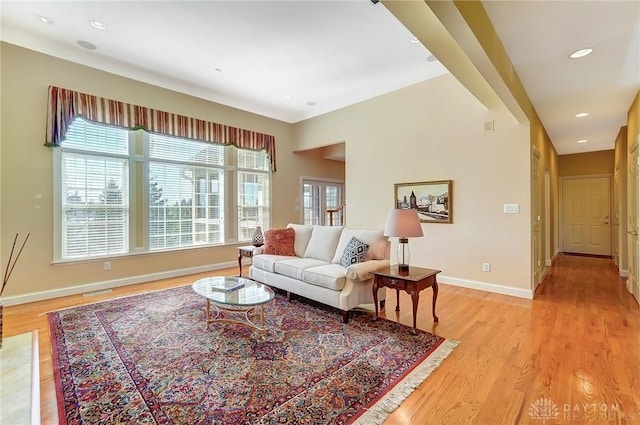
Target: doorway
586	215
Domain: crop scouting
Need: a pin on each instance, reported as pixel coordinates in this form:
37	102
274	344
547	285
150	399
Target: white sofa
315	271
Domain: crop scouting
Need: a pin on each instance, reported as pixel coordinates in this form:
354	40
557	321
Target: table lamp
405	224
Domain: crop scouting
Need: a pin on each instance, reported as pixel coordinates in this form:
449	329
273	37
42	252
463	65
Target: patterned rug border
375	413
121	297
382	408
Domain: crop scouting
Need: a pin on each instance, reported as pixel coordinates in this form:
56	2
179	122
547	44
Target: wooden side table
244	251
412	282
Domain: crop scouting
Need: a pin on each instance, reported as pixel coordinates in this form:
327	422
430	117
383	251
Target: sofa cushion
279	242
354	252
323	243
330	276
303	234
368	236
293	267
268	262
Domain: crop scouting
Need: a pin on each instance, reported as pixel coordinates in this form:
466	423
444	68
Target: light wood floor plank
577	343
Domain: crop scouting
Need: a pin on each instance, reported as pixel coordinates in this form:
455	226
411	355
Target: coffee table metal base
252	311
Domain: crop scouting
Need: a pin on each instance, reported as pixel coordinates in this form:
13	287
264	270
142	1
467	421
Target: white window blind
172	188
95	198
186	193
253	192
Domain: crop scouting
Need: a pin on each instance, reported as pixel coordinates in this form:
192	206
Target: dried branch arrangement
10	266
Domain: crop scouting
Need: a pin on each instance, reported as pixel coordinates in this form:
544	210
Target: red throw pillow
279	242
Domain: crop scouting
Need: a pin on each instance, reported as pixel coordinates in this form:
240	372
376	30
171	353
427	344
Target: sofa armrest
362	271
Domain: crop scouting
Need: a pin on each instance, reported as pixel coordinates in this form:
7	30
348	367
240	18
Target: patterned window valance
65	105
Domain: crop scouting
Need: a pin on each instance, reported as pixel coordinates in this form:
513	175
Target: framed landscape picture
432	200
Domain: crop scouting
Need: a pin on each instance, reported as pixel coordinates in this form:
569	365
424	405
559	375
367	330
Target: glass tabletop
233	291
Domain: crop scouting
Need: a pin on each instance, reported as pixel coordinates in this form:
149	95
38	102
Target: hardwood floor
577	345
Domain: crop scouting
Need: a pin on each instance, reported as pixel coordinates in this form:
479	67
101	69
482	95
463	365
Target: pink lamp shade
403	224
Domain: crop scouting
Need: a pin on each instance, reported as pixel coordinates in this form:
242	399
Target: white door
318	197
586	206
632	228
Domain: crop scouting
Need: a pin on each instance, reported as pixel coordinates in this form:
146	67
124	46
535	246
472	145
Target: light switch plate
511	208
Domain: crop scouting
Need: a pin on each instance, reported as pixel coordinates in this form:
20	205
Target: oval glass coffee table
234	294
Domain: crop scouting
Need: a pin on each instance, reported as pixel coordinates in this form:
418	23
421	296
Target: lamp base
403	267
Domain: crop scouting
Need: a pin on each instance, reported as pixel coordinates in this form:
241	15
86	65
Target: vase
258	239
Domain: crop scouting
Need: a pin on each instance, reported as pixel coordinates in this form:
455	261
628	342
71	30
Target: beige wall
462	37
581	164
433	131
27	169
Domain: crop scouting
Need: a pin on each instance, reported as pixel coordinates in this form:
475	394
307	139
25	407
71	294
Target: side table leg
415	295
240	265
397	300
435	297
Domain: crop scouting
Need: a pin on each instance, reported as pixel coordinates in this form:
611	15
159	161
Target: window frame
139	209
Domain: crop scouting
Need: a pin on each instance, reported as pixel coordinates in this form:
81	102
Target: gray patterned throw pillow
354	252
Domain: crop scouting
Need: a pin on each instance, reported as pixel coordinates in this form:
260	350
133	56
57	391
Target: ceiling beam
457	33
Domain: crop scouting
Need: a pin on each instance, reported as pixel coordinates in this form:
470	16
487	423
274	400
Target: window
253	192
186	202
128	191
95	199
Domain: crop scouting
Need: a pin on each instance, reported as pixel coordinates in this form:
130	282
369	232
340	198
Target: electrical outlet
486	267
107	265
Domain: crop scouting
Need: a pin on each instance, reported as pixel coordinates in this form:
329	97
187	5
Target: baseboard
545	272
107	284
624	273
487	287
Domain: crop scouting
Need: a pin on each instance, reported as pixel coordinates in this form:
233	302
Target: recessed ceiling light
581	53
582	114
287	96
86	45
45	20
415	40
431	58
217	70
311	103
583	141
98	25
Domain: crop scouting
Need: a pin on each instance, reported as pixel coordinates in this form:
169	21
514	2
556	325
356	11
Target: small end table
244	251
412	282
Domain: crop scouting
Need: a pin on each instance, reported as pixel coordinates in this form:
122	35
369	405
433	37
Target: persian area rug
150	359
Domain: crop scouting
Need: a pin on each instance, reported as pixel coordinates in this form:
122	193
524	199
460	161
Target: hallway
575	348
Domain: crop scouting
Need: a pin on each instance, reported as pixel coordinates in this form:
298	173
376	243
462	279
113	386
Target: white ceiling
288	60
293	60
539	36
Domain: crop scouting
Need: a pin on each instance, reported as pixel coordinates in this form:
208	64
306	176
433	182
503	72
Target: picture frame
432	199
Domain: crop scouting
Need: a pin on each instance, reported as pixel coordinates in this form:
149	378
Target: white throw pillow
323	242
